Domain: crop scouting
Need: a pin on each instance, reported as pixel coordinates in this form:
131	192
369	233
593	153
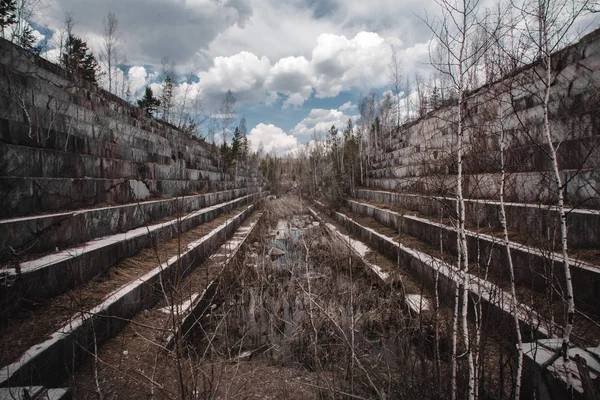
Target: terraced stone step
34	393
521	152
387	274
416	299
528	187
55	273
109	145
108	138
529	219
531	264
21	161
26	196
425	268
40	233
56	93
197	305
59	347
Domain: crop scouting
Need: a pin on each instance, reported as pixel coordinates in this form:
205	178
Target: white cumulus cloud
272	139
137	78
321	120
243	73
347	106
336	64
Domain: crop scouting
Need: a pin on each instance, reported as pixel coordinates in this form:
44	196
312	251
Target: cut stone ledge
50	362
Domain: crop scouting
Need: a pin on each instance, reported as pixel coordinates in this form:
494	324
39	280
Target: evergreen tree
236	144
244	139
26	39
226	156
79	60
434	99
8	14
149	103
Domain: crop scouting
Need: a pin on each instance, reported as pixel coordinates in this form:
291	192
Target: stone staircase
101	206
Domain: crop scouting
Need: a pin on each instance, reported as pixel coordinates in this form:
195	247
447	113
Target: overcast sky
293	65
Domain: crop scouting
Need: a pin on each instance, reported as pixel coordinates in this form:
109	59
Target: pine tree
236	144
149	103
26	39
8	15
244	139
226	156
79	60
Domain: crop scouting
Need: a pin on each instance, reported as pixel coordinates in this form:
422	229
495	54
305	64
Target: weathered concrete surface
66	144
54	274
55	94
535	220
200	305
525	187
17	133
423	267
545	374
421	158
26	196
530	263
22	161
35	234
54	359
572	154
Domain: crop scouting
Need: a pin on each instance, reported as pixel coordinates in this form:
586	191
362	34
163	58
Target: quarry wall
421	156
66	143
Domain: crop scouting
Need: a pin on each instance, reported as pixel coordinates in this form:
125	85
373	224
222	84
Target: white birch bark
511	269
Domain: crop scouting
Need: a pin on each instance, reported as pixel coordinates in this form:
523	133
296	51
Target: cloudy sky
293	65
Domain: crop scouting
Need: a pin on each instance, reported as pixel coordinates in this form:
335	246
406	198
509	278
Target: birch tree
502	144
109	52
395	72
459	57
547	27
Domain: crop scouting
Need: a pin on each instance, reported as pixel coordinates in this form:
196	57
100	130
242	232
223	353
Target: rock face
78	163
67	144
420	158
87	181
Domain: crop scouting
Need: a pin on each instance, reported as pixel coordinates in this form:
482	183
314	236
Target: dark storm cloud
322	8
153	29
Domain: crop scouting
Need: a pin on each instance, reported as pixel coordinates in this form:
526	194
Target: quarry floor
287	310
300	310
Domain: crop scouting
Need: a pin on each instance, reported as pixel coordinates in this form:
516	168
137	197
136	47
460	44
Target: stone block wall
66	143
421	158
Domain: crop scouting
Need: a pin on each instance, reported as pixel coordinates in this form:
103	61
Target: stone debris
547	355
275	253
418	303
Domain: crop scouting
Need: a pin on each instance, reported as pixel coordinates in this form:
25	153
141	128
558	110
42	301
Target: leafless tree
227	111
421	95
453	33
168	89
547	27
110	49
395	72
386	119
